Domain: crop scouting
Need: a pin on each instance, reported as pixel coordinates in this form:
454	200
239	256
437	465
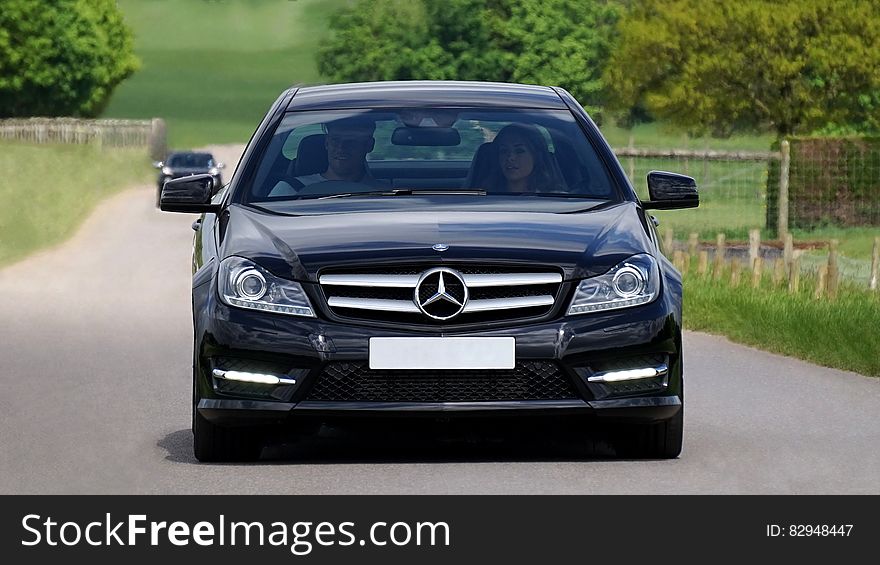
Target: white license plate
442	352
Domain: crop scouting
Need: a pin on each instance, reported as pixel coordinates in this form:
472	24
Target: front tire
659	440
215	444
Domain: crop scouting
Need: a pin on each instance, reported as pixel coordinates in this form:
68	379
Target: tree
558	42
749	65
61	58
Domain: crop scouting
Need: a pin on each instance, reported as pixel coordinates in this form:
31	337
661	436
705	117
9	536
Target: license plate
442	352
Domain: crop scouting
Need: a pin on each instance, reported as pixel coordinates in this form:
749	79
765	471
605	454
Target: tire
660	440
216	444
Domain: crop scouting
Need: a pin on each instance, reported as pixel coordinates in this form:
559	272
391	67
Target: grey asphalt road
95	373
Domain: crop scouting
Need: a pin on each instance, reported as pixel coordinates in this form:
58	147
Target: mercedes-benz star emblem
439	247
441	293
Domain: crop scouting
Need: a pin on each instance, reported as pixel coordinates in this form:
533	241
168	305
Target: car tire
218	444
658	440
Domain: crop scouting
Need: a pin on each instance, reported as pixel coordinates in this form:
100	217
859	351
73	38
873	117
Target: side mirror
669	191
158	164
221	165
188	194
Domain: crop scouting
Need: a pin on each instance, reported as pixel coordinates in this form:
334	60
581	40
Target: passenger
347	143
524	162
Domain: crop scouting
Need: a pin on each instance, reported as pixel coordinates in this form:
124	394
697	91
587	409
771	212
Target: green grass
841	333
658	135
48	190
212	69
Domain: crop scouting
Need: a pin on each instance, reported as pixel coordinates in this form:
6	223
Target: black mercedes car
188	163
431	249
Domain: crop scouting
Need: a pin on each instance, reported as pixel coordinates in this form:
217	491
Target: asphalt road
95	374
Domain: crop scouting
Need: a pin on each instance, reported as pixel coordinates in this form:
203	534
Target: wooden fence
111	133
785	268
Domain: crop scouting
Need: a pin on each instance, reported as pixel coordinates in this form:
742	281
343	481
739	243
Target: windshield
194	160
380	153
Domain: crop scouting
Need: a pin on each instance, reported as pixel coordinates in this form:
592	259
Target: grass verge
48	190
842	333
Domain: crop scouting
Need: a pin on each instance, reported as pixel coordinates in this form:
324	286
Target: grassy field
48	190
212	69
658	135
841	333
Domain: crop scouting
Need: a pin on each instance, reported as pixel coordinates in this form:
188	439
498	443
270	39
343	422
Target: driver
347	142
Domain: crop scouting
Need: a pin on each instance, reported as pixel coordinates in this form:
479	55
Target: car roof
437	93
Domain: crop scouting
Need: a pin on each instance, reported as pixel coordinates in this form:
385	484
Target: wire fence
815	188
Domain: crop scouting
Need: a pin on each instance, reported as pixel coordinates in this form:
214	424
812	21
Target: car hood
298	247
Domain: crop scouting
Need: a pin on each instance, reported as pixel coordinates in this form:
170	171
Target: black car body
188	163
416	292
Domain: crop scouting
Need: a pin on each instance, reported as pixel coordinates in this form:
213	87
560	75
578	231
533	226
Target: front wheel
214	444
659	440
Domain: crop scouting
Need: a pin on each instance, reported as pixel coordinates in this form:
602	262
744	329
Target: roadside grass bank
48	190
843	332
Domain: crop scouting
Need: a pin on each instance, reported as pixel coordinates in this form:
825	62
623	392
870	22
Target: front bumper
577	345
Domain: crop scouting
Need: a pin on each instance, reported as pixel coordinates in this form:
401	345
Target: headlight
245	284
167	171
630	283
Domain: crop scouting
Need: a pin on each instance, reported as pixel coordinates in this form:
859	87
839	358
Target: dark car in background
431	249
187	163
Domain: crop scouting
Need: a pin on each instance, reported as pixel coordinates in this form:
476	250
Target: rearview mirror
669	191
427	136
188	194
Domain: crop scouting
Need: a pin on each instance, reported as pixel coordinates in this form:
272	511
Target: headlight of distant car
214	171
630	283
245	284
167	171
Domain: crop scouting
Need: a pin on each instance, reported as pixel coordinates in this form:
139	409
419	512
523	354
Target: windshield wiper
406	192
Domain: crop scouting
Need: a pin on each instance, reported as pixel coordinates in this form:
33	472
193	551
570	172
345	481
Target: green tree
61	58
732	66
558	42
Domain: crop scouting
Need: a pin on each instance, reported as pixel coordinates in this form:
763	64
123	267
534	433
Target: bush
62	58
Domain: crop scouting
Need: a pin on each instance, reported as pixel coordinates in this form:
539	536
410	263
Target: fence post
667	242
735	268
693	241
788	250
785	166
875	264
756	272
703	264
719	256
754	245
820	282
794	274
833	271
778	270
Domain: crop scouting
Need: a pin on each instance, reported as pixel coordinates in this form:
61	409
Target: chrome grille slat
487	304
383	281
407	306
513	279
472	280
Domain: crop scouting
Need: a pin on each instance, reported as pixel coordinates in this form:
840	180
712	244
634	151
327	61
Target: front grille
494	294
356	382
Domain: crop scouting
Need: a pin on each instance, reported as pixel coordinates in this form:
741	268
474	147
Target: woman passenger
525	165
